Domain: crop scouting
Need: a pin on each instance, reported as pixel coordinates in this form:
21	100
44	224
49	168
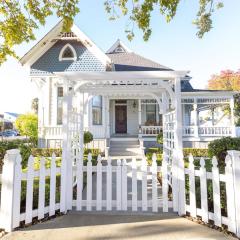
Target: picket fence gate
12	184
136	197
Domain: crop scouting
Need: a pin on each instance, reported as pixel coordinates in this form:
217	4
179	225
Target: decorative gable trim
115	48
50	39
61	58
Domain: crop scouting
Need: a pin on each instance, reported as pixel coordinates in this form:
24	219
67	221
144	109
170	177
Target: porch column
66	167
107	126
178	161
195	118
139	117
232	117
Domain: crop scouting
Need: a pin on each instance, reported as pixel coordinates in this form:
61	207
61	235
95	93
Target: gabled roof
54	35
134	62
125	59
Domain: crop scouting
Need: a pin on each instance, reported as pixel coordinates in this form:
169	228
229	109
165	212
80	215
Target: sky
173	44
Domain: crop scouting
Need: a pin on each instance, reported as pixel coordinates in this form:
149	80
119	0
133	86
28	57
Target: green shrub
219	147
160	138
196	152
88	137
46	152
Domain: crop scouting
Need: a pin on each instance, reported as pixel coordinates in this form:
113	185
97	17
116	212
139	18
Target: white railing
198	204
215	131
212	131
188	131
50	132
150	130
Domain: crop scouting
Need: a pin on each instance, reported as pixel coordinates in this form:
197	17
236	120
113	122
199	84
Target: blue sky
172	44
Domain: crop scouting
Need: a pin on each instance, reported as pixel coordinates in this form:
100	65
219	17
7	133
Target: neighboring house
119	95
10	116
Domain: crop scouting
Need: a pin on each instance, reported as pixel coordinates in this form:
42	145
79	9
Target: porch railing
206	131
150	130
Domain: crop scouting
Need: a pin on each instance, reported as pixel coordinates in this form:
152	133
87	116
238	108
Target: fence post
193	208
230	195
235	156
11	190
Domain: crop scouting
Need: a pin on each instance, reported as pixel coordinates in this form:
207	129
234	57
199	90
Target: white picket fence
134	182
231	180
12	183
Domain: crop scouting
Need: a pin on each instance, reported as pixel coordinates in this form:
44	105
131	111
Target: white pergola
163	86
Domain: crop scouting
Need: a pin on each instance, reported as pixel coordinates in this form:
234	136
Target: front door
121	119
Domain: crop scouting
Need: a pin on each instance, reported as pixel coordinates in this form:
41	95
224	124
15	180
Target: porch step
124	148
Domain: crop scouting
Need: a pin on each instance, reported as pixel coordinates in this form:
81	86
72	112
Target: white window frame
74	58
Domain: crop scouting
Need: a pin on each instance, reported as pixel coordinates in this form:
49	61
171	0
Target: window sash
97	110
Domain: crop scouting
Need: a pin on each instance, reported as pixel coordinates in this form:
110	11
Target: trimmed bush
219	147
196	152
88	137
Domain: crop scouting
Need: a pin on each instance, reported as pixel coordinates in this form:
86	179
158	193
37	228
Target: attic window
68	53
119	49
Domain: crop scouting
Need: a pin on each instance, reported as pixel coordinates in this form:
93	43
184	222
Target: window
151	113
97	110
68	53
59	105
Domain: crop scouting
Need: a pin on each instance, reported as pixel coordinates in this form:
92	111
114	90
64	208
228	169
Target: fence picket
89	182
203	187
154	184
165	184
52	200
29	192
144	184
79	177
119	185
109	184
230	195
99	183
124	185
216	193
193	209
134	184
41	190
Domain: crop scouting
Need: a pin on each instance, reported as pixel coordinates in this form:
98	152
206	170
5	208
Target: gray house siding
49	61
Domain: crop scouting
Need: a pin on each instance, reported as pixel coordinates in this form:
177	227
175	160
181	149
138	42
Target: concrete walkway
83	226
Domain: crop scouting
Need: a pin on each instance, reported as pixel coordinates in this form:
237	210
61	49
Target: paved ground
76	226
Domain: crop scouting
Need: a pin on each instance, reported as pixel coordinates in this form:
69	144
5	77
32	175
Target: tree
27	125
19	19
226	80
34	105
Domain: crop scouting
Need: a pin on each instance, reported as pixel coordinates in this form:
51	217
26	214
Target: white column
139	117
107	117
178	156
195	118
66	186
232	117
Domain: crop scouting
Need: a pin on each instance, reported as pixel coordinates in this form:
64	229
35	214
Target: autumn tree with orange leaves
226	80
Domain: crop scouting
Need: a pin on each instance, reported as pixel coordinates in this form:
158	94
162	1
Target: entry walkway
80	226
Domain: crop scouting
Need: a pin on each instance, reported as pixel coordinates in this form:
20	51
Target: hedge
196	152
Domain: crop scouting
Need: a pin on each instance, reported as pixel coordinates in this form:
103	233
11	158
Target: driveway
86	226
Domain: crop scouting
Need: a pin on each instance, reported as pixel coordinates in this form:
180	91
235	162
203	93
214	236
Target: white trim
68	45
46	43
116	44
